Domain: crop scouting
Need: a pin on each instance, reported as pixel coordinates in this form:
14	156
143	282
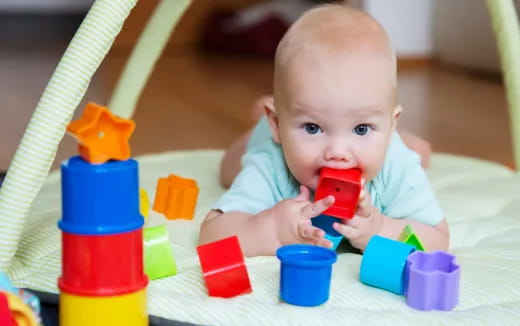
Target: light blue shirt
400	190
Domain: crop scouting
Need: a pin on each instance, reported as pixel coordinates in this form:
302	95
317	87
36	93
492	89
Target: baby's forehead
313	70
326	85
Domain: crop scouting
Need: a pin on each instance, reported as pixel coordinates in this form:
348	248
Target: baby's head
334	93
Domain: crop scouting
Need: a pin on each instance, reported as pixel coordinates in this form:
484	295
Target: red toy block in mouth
345	186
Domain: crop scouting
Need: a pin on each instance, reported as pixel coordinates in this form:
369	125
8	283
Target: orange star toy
101	135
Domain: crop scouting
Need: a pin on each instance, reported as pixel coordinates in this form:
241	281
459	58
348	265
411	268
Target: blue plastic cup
384	264
305	274
325	222
100	198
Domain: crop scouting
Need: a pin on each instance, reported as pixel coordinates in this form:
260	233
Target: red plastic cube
223	267
345	186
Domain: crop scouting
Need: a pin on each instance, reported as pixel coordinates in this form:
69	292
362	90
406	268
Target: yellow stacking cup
125	310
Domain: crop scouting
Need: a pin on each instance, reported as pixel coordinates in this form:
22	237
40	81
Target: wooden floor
196	100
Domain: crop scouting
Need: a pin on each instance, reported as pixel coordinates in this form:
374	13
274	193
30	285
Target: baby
334	106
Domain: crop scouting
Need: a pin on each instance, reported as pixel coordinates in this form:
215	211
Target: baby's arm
230	165
433	237
287	222
256	232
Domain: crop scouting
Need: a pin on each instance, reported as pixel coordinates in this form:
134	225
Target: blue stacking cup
305	274
99	198
384	264
325	222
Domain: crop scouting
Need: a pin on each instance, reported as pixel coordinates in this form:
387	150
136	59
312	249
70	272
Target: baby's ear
272	118
396	114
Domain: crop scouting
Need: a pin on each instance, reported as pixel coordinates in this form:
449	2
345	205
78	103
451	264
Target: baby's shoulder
399	160
267	158
399	168
402	188
265	153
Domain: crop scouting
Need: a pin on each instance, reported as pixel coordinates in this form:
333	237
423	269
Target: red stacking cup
102	265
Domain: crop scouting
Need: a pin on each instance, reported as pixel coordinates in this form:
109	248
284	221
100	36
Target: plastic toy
176	197
100	199
383	264
429	280
158	256
5	284
345	186
223	267
409	237
17	306
14	312
144	204
5	314
305	274
103	281
325	222
101	135
94	265
126	309
433	281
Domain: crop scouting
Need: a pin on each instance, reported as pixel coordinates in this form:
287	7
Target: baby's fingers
346	230
323	243
308	232
364	208
314	209
314	235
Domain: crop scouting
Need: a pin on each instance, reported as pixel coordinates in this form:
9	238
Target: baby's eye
312	128
362	129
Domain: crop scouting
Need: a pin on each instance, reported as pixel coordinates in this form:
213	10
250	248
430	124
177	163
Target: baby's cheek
314	180
373	164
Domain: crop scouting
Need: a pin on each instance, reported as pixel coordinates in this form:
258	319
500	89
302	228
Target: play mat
481	200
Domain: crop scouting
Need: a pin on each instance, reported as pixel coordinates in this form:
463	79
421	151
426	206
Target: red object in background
223	266
102	265
6	319
345	186
223	33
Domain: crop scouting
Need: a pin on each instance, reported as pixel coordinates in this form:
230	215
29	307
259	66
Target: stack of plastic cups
103	280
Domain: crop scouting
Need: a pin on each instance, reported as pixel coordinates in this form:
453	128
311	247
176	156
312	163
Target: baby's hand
292	218
366	222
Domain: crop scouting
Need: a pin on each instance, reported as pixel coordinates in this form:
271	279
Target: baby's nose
337	152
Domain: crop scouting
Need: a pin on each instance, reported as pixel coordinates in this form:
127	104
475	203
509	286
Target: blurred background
219	61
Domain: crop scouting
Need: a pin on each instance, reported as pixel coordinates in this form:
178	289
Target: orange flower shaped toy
101	135
176	197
